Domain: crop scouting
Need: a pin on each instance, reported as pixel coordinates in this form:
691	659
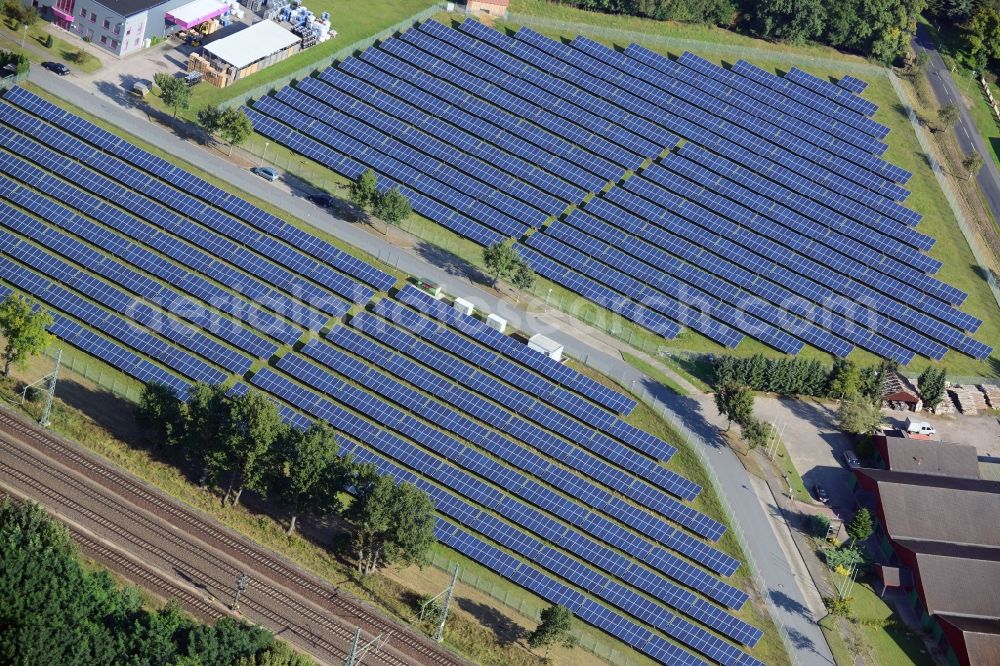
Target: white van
919	428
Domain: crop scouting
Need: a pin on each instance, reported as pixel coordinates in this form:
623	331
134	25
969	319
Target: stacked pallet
992	393
969	399
945	407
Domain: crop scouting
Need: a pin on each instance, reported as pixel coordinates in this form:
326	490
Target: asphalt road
781	584
969	138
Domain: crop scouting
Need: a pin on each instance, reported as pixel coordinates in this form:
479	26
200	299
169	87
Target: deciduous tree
948	115
235	127
254	427
555	628
392	207
972	164
23	328
311	472
859	416
523	277
174	91
364	189
393	523
845	379
501	260
210	118
162	411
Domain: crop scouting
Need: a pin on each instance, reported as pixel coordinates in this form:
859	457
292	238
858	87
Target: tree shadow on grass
506	630
451	263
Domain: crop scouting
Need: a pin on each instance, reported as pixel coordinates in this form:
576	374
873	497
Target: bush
48	41
819	526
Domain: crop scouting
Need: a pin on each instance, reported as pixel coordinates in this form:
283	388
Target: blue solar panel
792	165
191	184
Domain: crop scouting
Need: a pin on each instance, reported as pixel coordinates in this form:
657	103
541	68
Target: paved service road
969	138
783	586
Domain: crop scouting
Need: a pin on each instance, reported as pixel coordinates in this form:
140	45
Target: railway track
268	570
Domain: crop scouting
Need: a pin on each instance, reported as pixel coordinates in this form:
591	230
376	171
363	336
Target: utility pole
44	421
446	593
439	635
241	586
358	651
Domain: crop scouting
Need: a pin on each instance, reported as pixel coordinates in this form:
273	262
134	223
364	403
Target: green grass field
61	50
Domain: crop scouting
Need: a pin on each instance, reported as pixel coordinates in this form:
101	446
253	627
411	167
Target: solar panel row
548	418
810	99
558	372
808	278
489	174
700	74
648	93
506	565
235	252
191	184
761	94
496	77
852	84
496	471
798	295
148	261
572	454
717	122
765	219
437	472
799	214
69	303
832	92
528	383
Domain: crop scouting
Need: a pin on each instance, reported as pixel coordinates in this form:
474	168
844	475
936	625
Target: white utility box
496	322
464	306
547	346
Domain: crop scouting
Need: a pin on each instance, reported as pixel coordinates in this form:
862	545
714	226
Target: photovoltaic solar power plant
574	566
675	193
534	472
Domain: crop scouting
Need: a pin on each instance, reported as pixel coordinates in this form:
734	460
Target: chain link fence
98	374
680	44
512	597
949	193
343	53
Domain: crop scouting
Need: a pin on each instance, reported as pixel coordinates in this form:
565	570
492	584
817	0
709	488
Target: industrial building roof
129	7
252	44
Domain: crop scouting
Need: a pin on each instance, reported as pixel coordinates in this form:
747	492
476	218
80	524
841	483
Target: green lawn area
653	372
353	21
886	639
61	50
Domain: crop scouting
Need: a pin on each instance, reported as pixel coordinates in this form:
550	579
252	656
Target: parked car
851	459
820	493
321	200
267	173
56	68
